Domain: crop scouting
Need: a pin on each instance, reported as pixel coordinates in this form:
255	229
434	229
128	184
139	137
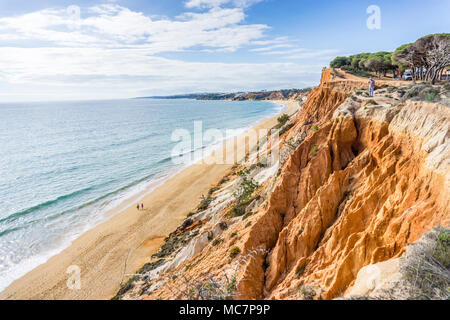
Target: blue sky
64	50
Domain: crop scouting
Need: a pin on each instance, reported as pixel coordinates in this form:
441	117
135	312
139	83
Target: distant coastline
285	94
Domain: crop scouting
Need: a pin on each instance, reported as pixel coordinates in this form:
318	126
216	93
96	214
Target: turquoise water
65	164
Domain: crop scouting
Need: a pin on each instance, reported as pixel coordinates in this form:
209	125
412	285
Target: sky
113	49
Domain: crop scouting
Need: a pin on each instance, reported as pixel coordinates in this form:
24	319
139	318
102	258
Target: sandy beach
124	243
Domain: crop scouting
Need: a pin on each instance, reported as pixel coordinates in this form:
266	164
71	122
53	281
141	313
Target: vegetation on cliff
422	273
426	267
426	58
363	63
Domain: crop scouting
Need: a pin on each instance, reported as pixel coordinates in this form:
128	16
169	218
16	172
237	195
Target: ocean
64	165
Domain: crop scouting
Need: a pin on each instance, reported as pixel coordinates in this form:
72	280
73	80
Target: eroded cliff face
361	199
368	182
363	178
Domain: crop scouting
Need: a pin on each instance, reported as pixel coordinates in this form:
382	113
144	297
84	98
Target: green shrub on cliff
286	128
314	150
205	204
371	102
431	96
234	252
212	190
283	119
247	215
422	92
211	288
248	186
243	196
216	242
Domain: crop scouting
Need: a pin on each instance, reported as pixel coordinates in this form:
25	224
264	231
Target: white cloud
110	51
285	48
117	26
293	52
32	64
218	3
309	54
205	3
270	48
110	73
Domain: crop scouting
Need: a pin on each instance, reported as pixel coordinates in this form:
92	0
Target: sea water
63	165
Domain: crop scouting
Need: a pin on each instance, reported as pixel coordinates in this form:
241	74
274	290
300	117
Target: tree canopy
378	62
427	58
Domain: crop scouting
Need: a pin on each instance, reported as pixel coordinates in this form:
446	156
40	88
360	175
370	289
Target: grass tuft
371	102
426	266
234	252
314	150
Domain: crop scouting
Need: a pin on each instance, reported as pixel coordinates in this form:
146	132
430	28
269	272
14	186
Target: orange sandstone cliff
358	181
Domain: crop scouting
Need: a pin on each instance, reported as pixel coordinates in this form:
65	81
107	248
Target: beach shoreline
108	253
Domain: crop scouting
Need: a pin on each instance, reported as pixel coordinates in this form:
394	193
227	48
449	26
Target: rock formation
361	179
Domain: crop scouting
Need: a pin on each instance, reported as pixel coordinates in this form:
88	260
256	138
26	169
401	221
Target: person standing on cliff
371	86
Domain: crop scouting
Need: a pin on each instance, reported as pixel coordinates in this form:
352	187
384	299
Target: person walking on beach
371	86
137	206
142	206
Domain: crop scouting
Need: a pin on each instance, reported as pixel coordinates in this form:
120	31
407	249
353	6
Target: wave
5	232
13	217
45	204
186	153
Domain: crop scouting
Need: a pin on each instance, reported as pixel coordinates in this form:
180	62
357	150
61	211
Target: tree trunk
436	73
433	81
